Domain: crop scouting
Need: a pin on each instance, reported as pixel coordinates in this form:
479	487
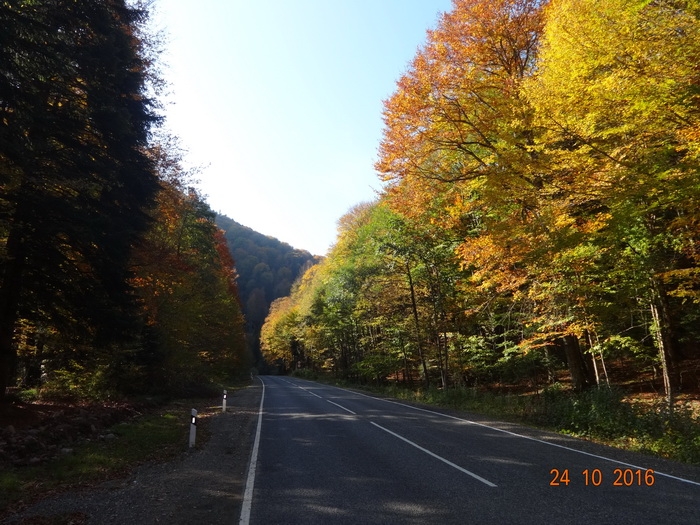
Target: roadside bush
598	412
74	382
675	435
305	373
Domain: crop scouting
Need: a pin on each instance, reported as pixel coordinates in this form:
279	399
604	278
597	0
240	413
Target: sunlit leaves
559	143
617	90
457	110
542	197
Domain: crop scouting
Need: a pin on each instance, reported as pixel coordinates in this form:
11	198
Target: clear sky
280	102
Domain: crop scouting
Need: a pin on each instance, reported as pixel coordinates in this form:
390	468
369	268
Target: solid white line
341	406
310	392
485	481
302	388
250	482
656	472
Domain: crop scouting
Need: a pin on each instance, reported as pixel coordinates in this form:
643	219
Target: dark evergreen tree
75	117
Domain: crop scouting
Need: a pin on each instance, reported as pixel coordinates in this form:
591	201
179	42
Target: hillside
266	269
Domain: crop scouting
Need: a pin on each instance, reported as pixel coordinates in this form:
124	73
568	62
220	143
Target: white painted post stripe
193	427
448	462
250	482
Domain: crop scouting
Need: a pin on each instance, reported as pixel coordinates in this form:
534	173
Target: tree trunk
10	292
590	366
415	318
550	367
442	362
447	359
577	368
664	342
593	342
32	364
406	371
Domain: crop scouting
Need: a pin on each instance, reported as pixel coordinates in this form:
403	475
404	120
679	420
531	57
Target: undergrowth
151	437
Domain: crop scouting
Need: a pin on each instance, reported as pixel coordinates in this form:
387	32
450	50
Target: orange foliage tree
186	282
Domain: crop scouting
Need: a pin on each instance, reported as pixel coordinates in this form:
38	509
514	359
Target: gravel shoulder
203	486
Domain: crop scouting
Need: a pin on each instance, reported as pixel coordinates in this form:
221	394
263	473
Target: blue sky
280	101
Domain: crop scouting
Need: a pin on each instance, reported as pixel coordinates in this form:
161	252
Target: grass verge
157	435
602	415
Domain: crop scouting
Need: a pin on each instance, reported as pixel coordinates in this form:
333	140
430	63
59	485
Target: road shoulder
203	486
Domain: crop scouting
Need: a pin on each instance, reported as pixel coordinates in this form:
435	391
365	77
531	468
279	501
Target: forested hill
266	269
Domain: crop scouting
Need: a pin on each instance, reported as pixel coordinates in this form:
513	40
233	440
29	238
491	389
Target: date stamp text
620	477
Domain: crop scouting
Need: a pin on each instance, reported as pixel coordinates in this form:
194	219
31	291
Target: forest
539	226
265	270
114	278
537	233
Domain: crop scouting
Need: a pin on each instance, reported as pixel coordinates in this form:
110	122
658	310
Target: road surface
325	455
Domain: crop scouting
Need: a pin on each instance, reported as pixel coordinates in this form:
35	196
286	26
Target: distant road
331	456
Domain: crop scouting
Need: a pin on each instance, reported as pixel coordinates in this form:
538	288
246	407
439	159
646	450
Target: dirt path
204	486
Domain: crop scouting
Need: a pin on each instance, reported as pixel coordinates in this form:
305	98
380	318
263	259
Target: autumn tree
278	336
540	207
75	118
185	279
318	325
459	148
266	270
457	114
617	94
376	306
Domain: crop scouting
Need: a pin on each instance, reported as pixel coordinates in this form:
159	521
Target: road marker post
223	404
193	428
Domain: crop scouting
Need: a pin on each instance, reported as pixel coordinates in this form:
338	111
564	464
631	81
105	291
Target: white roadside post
193	428
223	405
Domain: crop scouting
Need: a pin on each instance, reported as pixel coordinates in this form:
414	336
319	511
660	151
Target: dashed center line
341	406
416	445
302	388
446	461
310	392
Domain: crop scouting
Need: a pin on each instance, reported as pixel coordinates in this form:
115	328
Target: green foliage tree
184	276
377	305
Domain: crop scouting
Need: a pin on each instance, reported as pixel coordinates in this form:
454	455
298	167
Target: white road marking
312	393
250	482
302	388
656	472
448	462
341	406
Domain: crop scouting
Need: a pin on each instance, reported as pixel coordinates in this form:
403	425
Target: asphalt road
332	456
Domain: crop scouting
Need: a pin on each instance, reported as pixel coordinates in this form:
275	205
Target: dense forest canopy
539	220
540	211
114	278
